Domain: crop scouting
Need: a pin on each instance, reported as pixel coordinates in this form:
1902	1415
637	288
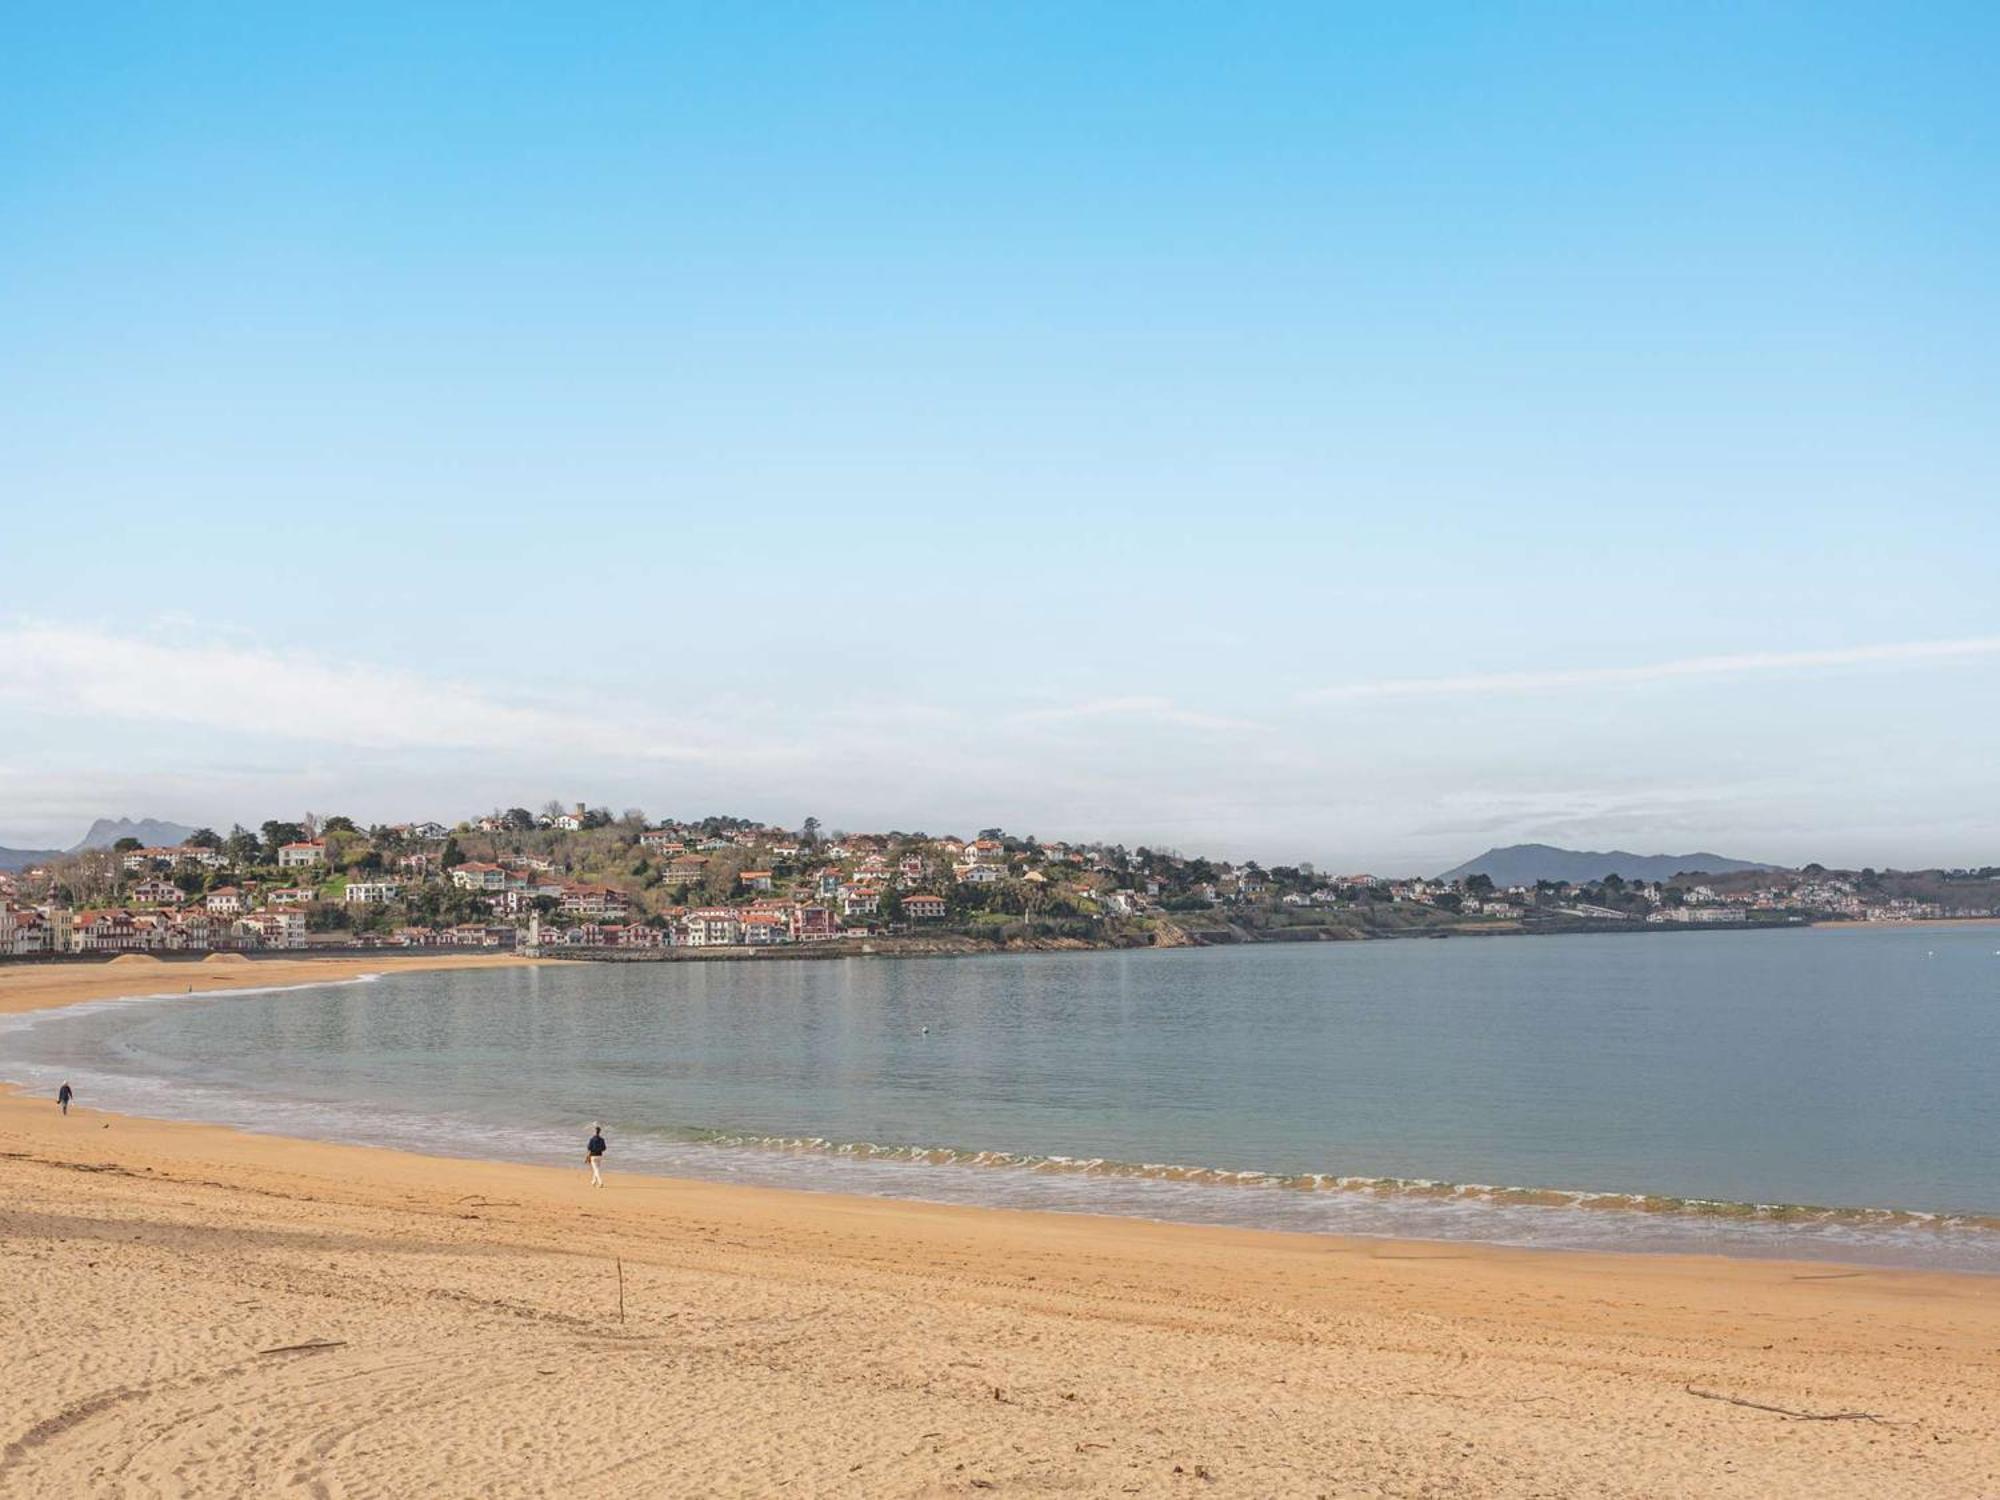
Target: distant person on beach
593	1151
64	1095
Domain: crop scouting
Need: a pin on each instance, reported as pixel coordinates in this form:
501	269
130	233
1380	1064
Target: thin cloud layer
1502	684
249	691
1143	708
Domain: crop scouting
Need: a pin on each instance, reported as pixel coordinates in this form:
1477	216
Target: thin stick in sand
1796	1416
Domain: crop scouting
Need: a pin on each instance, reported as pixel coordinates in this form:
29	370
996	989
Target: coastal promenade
194	1311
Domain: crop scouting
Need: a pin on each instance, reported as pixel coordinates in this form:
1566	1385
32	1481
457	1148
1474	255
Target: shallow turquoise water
1851	1070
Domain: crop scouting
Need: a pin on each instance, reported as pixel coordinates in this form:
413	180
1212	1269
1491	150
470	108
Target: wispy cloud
294	696
1745	664
1145	708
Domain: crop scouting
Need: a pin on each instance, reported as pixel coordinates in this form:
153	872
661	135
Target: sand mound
225	958
129	959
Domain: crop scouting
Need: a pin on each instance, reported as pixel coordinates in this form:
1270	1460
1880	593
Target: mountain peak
1524	864
149	831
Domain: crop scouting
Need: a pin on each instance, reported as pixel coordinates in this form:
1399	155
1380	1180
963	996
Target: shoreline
146	1141
51	986
233	1142
1700	1224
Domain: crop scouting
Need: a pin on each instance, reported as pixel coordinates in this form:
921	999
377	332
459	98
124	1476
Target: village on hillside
576	881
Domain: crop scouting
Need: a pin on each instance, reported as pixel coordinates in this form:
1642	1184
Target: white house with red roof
714	927
475	875
304	852
22	931
594	901
104	931
274	929
764	928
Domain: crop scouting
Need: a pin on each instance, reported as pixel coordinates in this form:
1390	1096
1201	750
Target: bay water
1820	1093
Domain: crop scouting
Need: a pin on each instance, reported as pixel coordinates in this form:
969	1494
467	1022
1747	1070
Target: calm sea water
1802	1093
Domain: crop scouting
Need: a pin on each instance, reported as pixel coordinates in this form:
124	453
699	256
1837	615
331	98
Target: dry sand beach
193	1311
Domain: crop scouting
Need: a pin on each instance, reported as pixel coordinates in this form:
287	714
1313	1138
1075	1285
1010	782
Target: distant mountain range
151	832
1524	864
103	834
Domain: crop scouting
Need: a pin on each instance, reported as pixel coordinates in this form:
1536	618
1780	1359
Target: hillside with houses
574	880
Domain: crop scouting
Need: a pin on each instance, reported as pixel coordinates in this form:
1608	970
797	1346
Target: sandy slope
799	1344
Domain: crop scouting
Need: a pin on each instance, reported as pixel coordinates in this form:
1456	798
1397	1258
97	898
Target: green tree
452	855
323	916
204	838
241	846
718	877
126	845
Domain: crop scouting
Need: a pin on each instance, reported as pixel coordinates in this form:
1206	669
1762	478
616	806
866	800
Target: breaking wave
1385	1188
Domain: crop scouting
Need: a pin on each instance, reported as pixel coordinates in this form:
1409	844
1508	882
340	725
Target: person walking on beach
64	1095
593	1151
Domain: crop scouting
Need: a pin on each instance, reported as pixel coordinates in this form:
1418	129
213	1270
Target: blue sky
1329	432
